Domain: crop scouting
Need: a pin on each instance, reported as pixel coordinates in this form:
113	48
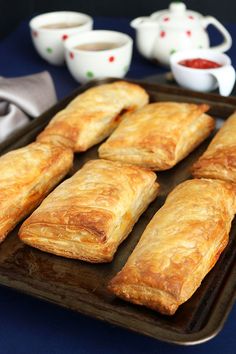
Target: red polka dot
111	59
35	33
162	34
191	17
189	33
71	55
166	19
64	37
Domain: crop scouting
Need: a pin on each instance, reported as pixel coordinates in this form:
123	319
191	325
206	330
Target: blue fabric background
28	325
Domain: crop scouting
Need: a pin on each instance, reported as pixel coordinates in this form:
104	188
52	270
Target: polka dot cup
49	32
98	54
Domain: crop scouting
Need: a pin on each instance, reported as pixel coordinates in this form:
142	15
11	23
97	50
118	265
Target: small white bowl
49	41
85	65
204	79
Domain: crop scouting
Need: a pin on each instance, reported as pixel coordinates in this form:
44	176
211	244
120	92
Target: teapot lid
177	16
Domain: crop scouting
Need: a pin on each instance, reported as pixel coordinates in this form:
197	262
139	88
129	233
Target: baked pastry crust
90	214
179	246
93	115
158	135
219	160
27	175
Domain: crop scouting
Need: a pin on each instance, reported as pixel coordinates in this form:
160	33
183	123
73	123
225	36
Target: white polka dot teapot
168	31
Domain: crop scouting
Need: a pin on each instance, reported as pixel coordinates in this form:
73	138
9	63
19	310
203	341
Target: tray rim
217	319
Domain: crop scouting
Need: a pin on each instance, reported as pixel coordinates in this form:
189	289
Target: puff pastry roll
158	135
93	115
90	214
219	160
179	246
27	175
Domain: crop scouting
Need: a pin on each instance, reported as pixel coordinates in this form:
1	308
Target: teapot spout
146	32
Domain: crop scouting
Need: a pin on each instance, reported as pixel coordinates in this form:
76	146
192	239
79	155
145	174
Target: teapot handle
227	43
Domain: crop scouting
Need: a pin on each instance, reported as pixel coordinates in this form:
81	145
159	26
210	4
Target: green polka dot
200	46
173	51
126	68
90	74
49	50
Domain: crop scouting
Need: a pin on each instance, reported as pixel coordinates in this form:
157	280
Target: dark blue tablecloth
18	57
28	325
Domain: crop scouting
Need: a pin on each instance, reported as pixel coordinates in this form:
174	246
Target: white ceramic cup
49	41
204	79
85	65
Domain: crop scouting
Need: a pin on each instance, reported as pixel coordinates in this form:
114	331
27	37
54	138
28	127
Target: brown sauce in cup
98	46
61	25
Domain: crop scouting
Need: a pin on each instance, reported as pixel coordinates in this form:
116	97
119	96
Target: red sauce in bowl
199	63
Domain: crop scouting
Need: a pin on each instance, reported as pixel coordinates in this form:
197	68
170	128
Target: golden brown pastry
93	115
179	246
90	214
219	160
27	175
158	135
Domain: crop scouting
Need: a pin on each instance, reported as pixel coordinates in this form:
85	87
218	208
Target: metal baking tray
82	287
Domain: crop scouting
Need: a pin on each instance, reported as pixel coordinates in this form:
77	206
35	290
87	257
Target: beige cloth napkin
23	98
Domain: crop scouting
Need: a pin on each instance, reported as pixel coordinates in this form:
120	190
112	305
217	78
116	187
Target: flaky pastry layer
93	115
219	160
179	247
158	135
27	176
90	214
